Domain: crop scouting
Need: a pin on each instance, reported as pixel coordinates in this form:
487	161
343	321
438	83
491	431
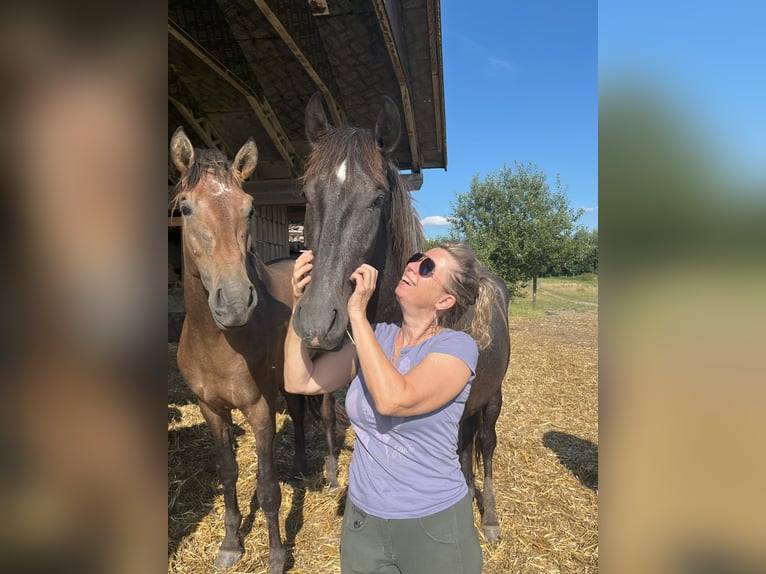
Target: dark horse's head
347	185
217	215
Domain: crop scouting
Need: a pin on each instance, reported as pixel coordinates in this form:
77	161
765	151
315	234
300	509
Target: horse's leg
263	420
328	424
488	439
226	464
465	448
296	407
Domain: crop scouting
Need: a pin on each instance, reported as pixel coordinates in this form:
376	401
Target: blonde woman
408	508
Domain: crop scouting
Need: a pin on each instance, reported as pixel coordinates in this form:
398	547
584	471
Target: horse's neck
387	309
196	302
273	280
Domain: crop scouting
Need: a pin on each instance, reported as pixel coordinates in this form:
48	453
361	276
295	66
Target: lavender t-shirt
408	467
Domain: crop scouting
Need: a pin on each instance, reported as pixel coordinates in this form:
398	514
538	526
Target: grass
557	294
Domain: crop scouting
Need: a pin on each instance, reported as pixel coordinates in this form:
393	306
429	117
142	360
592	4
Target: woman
408	508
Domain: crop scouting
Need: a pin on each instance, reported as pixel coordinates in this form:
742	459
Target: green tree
586	251
434	242
517	225
582	255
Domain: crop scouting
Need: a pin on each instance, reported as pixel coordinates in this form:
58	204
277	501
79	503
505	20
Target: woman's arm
324	372
431	384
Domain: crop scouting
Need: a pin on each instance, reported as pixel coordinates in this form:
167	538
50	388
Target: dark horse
231	351
359	210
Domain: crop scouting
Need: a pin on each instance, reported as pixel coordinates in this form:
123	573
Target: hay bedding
546	468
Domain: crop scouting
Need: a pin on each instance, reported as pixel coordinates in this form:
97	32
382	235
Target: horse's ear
316	119
388	126
181	150
245	160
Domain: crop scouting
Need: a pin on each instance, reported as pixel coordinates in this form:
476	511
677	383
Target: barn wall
270	233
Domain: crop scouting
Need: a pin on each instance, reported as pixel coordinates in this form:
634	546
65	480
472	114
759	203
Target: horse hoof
276	562
227	558
492	533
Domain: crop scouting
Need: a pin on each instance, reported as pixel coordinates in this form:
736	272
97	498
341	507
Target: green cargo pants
443	543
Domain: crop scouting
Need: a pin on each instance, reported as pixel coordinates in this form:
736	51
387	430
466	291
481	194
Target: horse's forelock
353	145
357	147
207	163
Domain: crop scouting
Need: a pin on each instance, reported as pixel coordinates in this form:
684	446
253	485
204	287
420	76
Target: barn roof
241	68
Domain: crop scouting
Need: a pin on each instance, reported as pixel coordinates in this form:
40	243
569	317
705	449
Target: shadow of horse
578	455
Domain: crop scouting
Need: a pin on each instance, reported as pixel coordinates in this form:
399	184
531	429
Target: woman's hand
301	273
365	278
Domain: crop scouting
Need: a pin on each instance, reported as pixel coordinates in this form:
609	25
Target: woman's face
425	277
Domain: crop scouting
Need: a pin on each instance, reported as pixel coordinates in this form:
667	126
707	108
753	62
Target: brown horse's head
348	186
217	215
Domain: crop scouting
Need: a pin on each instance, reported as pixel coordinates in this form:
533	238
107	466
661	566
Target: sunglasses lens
426	268
417	257
427	265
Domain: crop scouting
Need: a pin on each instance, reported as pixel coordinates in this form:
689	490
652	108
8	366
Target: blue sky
520	83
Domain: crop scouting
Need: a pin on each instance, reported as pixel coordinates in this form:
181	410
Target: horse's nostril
219	302
334	318
252	297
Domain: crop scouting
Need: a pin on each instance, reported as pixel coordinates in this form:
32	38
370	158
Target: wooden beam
437	80
393	51
203	128
337	113
260	106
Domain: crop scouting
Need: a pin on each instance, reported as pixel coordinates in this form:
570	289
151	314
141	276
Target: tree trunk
534	291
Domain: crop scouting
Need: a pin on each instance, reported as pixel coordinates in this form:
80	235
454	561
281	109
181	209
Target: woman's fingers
364	278
301	273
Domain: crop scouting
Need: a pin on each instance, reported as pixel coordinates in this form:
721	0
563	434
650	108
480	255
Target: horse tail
314	403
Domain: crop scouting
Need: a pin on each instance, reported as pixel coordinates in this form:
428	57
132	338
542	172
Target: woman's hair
470	284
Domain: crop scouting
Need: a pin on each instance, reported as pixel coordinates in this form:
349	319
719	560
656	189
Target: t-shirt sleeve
460	345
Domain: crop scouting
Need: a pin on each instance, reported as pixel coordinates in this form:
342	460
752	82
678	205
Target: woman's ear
445	302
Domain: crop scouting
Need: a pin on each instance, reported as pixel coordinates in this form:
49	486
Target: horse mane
207	163
406	230
358	146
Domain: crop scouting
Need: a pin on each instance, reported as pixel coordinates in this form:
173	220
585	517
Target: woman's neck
414	330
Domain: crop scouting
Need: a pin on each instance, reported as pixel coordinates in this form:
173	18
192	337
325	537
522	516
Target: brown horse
231	347
359	210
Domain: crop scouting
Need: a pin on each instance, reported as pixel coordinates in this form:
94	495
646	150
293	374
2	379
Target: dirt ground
545	469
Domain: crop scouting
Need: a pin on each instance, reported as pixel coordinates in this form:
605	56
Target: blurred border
84	311
682	209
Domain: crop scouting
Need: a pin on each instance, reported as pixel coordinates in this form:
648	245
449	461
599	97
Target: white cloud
586	209
435	220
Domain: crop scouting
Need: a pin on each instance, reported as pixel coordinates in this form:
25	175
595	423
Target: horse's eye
377	202
185	209
251	212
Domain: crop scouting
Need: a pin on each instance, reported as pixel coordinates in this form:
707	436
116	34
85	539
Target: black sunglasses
427	266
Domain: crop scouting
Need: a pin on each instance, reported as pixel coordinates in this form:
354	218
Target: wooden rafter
393	52
201	126
437	83
337	113
260	106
